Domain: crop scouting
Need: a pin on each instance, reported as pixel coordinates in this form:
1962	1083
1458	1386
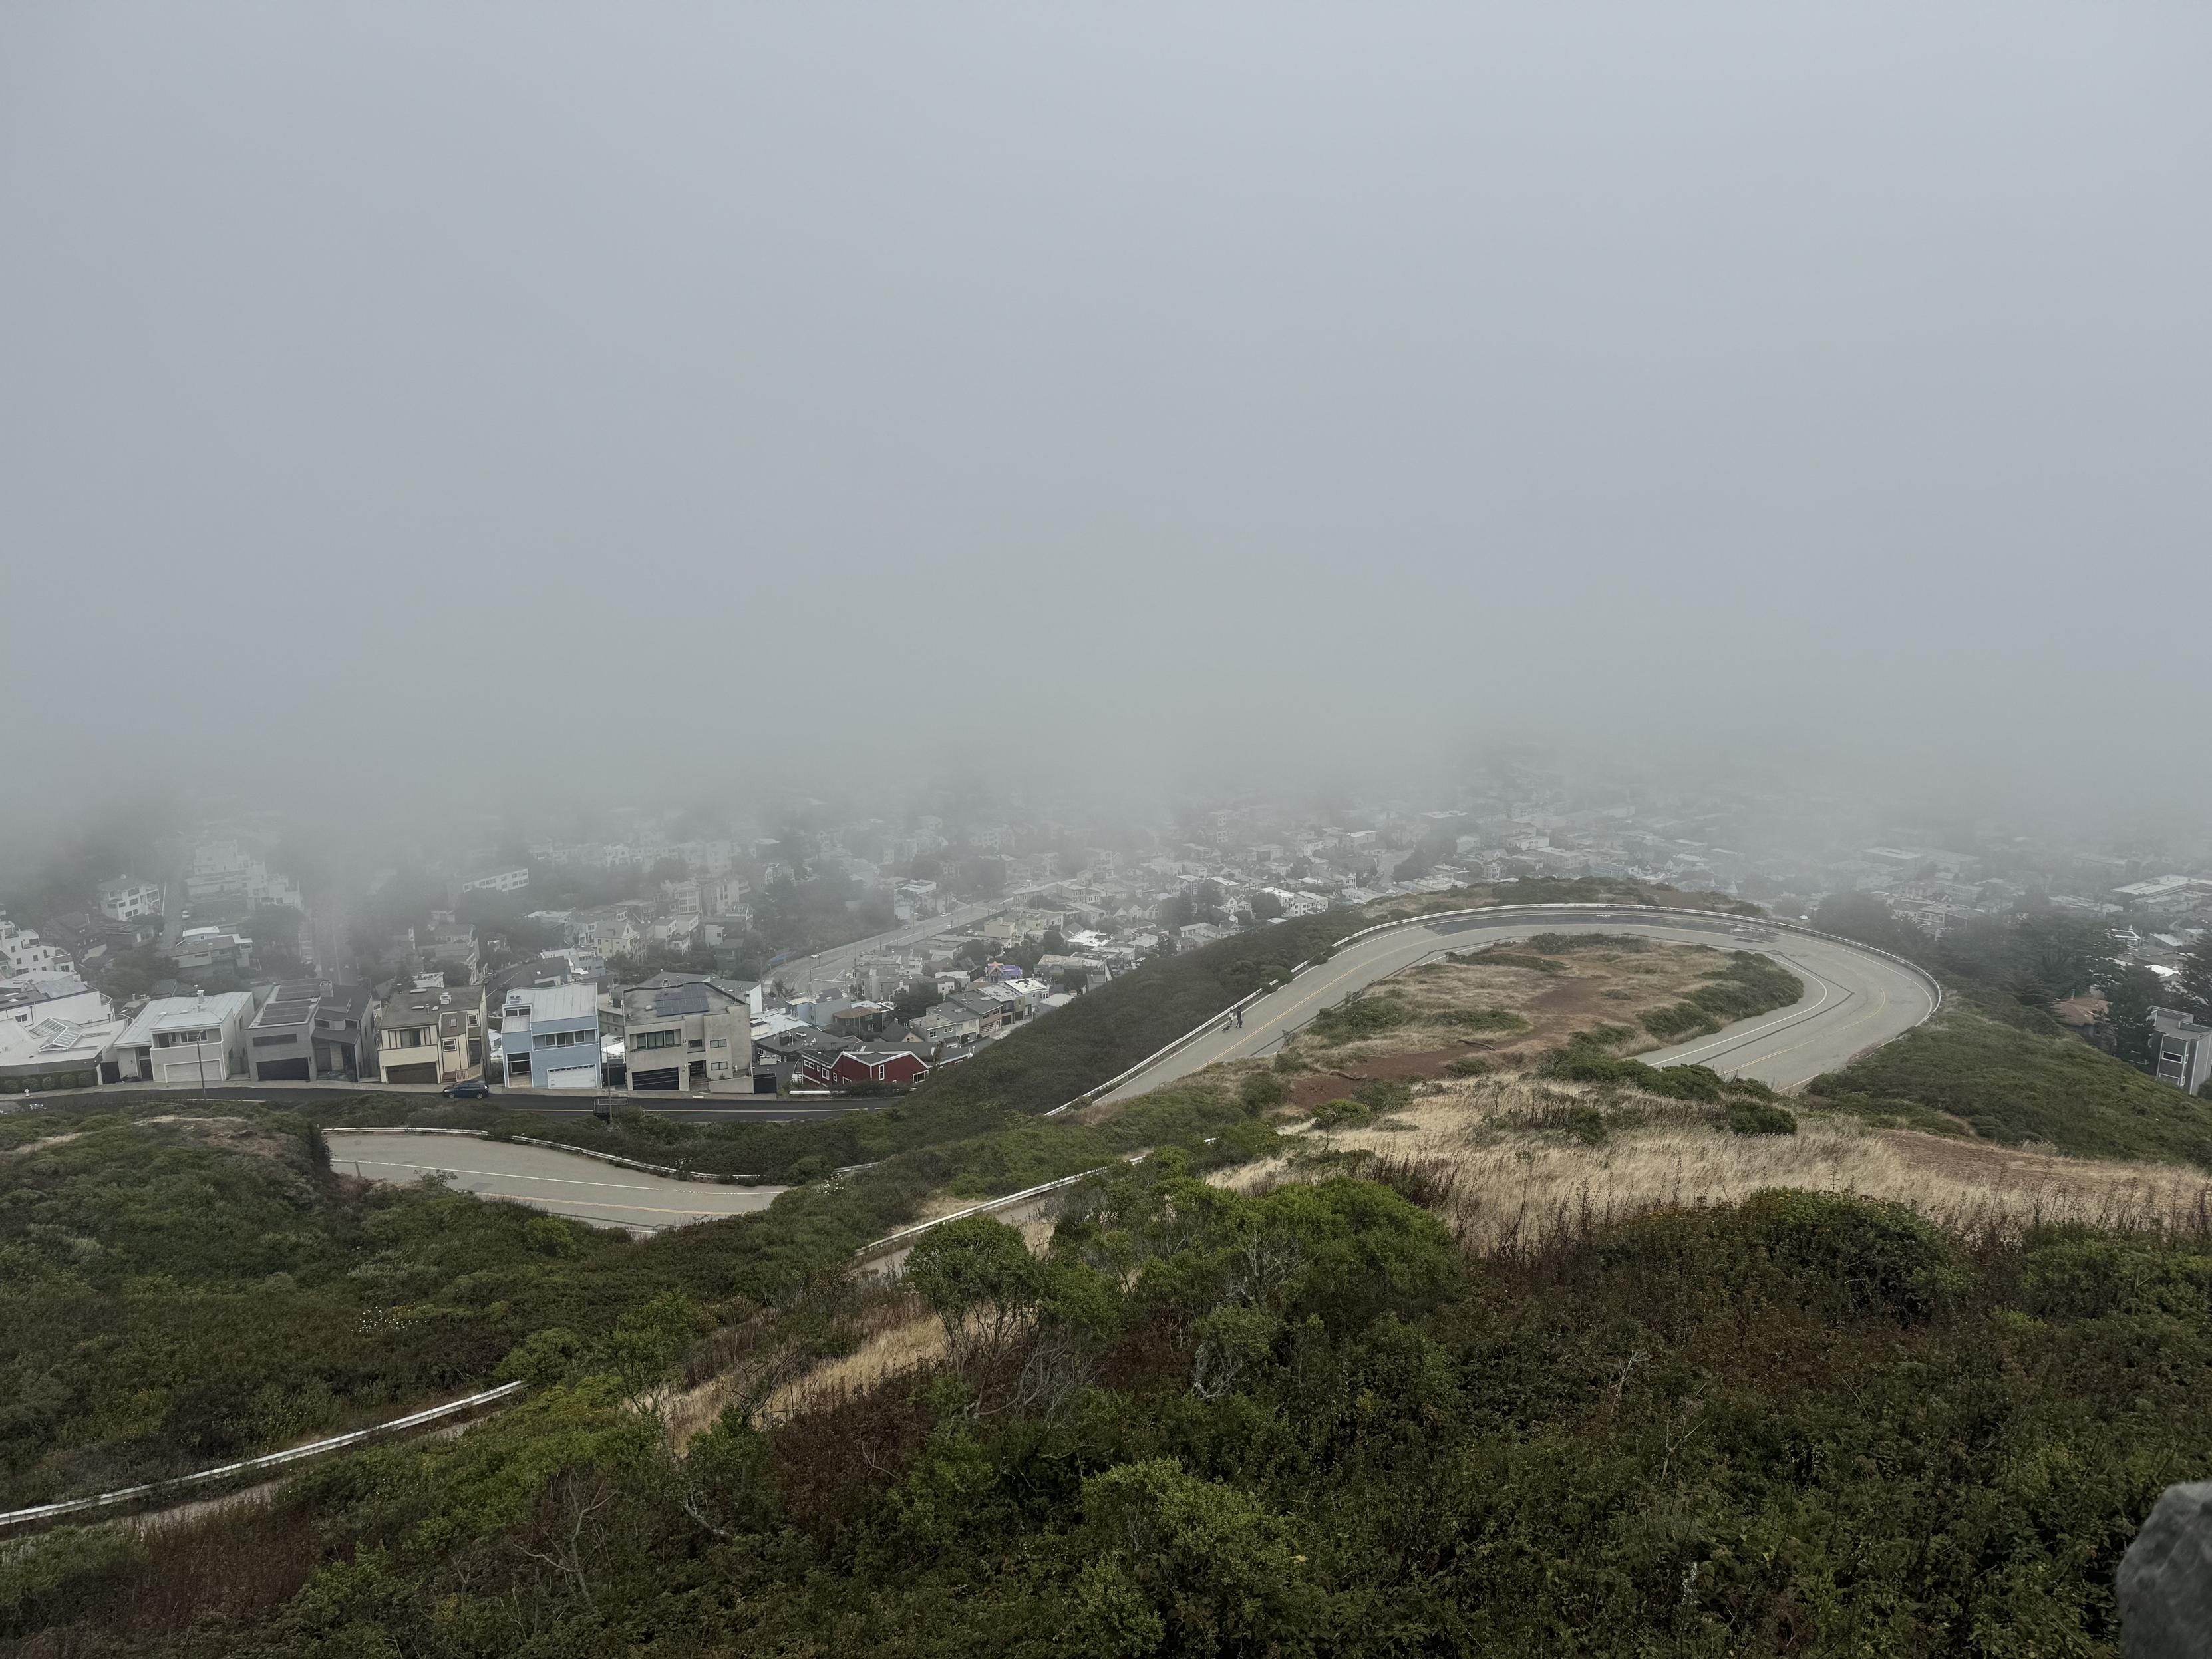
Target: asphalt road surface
1855	999
827	970
583	1188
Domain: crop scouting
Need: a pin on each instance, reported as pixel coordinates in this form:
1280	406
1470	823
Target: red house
897	1067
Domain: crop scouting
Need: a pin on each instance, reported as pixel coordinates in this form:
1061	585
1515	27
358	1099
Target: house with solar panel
683	1032
311	1030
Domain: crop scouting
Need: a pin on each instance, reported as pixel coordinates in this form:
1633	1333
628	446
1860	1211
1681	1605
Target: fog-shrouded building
2181	1049
127	898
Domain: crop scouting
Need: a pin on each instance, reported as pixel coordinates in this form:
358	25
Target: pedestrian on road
1240	1019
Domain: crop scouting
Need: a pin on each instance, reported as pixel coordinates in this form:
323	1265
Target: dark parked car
470	1089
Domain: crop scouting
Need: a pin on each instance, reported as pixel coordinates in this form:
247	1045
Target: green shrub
1262	1091
1479	1019
1757	1117
2103	1277
1381	1095
1885	1257
1362	1017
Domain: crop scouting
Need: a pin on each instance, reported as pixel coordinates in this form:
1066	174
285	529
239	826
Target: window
654	1039
720	1043
283	1042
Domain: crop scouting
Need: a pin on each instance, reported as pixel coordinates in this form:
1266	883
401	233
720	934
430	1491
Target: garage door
177	1072
665	1077
426	1071
282	1070
574	1077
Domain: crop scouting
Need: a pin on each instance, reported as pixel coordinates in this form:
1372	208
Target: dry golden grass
916	1341
1508	1184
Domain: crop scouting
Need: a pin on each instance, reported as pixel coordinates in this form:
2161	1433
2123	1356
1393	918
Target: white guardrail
891	1242
183	1485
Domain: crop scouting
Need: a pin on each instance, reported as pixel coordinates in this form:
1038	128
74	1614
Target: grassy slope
174	1298
1810	1425
2012	1075
174	1303
193	1301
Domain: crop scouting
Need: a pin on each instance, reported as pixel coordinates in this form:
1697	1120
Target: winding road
605	1194
1856	999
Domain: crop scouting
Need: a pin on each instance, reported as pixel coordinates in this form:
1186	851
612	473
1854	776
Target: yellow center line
1283	1018
1879	1008
1726	1040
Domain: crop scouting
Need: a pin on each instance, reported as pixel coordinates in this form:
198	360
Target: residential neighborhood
801	953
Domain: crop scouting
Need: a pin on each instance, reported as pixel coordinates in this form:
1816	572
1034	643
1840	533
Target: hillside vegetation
1994	1064
2009	1081
1301	1422
181	1292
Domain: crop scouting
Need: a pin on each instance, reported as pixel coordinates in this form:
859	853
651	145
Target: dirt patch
30	1146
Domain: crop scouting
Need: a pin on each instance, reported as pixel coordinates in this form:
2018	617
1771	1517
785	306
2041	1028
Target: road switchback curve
1855	998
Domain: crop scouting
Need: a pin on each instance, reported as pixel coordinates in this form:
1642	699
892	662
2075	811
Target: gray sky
886	384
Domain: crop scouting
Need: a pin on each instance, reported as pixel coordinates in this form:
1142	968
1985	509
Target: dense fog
406	402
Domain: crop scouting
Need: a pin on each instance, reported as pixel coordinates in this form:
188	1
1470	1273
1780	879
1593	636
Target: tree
915	997
978	1277
2053	957
2129	995
1266	907
2194	984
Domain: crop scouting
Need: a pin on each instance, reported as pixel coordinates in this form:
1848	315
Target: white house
23	951
186	1041
127	898
499	881
1296	903
27	999
54	1053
